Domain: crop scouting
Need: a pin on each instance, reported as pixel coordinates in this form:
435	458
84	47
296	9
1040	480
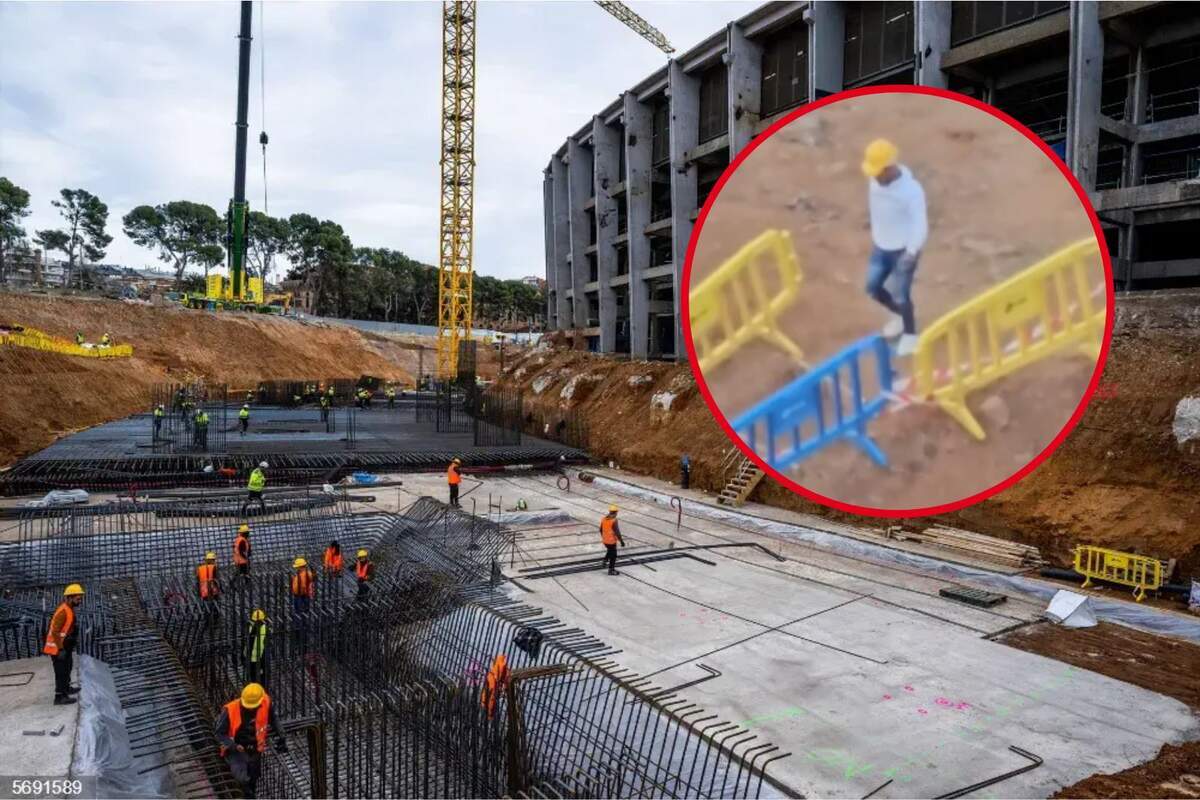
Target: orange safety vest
262	715
362	570
207	575
241	549
54	642
333	561
497	682
302	584
608	533
452	476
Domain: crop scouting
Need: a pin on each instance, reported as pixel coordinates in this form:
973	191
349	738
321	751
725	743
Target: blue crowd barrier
824	405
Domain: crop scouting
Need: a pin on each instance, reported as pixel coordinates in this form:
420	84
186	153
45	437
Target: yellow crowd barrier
36	340
1141	572
1043	310
734	305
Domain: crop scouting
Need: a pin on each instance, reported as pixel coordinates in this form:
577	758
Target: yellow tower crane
455	272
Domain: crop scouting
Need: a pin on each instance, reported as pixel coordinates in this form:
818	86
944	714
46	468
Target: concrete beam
638	128
579	190
1168	129
1157	216
743	61
548	226
932	32
1122	130
607	152
664	271
1083	91
685	129
1154	194
708	148
1177	268
993	44
564	281
826	42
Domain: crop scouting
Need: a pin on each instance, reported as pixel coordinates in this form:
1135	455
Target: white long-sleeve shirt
898	219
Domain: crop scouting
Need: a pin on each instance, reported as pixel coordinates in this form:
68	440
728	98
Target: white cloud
136	102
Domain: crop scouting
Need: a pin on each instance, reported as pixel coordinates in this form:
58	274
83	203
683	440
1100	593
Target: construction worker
495	684
333	558
254	488
206	578
610	534
159	413
254	652
249	397
202	427
685	471
324	408
105	340
241	550
364	570
899	227
244	418
391	396
453	479
61	638
303	585
241	729
79	338
329	393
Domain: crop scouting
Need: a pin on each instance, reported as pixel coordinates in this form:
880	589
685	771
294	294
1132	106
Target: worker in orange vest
495	684
364	570
61	637
241	550
304	585
454	478
206	577
333	558
610	534
241	728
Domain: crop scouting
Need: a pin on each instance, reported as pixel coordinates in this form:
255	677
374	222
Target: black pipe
243	102
1072	575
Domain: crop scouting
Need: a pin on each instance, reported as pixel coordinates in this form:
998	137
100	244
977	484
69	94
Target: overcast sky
135	102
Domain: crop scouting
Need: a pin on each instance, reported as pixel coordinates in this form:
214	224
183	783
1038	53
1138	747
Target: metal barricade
1041	311
735	304
1141	572
829	403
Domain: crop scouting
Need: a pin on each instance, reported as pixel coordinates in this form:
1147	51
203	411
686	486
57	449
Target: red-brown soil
996	206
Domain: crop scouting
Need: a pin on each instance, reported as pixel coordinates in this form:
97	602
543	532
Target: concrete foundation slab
29	707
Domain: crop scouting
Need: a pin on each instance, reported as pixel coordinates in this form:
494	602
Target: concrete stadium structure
1113	87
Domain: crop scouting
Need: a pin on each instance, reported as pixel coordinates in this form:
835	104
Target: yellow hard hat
258	615
299	562
210	556
879	154
362	553
252	695
612	509
243	528
73	590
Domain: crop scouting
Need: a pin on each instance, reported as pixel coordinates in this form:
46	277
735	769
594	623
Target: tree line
346	281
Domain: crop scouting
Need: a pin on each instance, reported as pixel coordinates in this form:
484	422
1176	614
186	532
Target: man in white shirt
899	227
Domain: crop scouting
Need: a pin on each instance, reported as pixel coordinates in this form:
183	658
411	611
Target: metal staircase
743	476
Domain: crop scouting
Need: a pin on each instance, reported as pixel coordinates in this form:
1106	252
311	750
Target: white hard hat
263	464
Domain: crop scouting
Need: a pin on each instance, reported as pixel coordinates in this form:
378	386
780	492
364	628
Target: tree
179	230
209	256
323	257
268	237
14	206
51	240
86	217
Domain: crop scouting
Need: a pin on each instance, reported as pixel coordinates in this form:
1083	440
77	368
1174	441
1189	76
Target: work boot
73	690
64	700
613	572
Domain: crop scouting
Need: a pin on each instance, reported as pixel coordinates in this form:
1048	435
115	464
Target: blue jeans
883	265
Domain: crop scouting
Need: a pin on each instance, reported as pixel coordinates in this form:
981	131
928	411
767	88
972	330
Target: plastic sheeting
548	516
60	497
102	742
1071	610
1144	618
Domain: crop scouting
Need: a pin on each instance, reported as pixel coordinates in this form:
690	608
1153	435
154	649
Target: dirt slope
1122	479
46	395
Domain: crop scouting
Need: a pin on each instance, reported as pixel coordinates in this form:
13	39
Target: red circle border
926	510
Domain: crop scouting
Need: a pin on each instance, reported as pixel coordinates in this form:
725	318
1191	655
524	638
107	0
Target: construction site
248	554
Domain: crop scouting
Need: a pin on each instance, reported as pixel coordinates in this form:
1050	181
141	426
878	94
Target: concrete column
638	129
684	92
826	39
579	190
562	244
743	61
548	221
1136	113
1083	91
932	28
606	143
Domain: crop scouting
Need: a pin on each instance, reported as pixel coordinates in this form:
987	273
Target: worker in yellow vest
61	638
391	396
254	653
255	487
241	729
244	418
159	413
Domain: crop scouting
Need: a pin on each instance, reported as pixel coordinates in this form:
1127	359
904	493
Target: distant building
534	281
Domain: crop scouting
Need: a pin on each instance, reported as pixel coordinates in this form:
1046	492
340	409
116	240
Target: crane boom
458	182
634	21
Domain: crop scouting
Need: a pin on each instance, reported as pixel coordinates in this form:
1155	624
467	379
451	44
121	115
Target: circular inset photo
897	301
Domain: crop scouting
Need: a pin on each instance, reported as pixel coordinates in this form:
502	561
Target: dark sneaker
64	701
